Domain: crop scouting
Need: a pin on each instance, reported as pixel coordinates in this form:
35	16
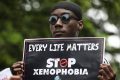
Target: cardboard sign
63	58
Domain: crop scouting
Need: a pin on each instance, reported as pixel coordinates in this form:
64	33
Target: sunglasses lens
53	20
65	18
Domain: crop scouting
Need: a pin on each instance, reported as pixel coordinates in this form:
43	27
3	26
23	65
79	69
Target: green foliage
113	9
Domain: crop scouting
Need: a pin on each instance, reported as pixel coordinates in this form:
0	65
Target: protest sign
63	58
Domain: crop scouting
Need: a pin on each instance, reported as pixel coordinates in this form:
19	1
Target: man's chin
58	36
62	36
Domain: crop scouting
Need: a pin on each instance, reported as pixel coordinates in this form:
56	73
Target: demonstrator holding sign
66	21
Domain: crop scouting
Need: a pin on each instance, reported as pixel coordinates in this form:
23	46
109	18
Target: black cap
75	8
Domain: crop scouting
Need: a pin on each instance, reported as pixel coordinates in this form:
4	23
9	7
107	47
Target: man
66	21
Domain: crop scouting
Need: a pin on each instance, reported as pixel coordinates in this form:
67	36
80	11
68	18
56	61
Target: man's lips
58	33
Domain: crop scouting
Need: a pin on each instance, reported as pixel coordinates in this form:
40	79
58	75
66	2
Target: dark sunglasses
65	18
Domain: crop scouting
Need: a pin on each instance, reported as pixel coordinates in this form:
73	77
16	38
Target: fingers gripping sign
17	68
106	72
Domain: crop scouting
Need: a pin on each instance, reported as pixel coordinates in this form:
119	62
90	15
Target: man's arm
15	78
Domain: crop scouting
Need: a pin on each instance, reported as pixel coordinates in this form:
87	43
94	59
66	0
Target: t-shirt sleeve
5	74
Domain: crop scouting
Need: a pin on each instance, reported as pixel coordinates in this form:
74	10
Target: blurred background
21	19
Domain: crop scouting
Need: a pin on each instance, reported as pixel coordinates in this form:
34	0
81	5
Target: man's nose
59	23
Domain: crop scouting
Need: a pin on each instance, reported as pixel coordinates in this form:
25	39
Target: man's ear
80	25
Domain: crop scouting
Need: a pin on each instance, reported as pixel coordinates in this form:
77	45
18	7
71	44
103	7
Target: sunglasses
65	18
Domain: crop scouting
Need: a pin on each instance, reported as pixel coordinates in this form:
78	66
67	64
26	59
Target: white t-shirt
5	74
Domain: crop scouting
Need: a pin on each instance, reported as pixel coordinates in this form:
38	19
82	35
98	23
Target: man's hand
17	68
15	78
106	72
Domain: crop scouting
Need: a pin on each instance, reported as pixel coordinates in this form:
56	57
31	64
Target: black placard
63	58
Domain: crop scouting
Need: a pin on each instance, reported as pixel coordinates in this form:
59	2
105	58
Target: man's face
63	23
